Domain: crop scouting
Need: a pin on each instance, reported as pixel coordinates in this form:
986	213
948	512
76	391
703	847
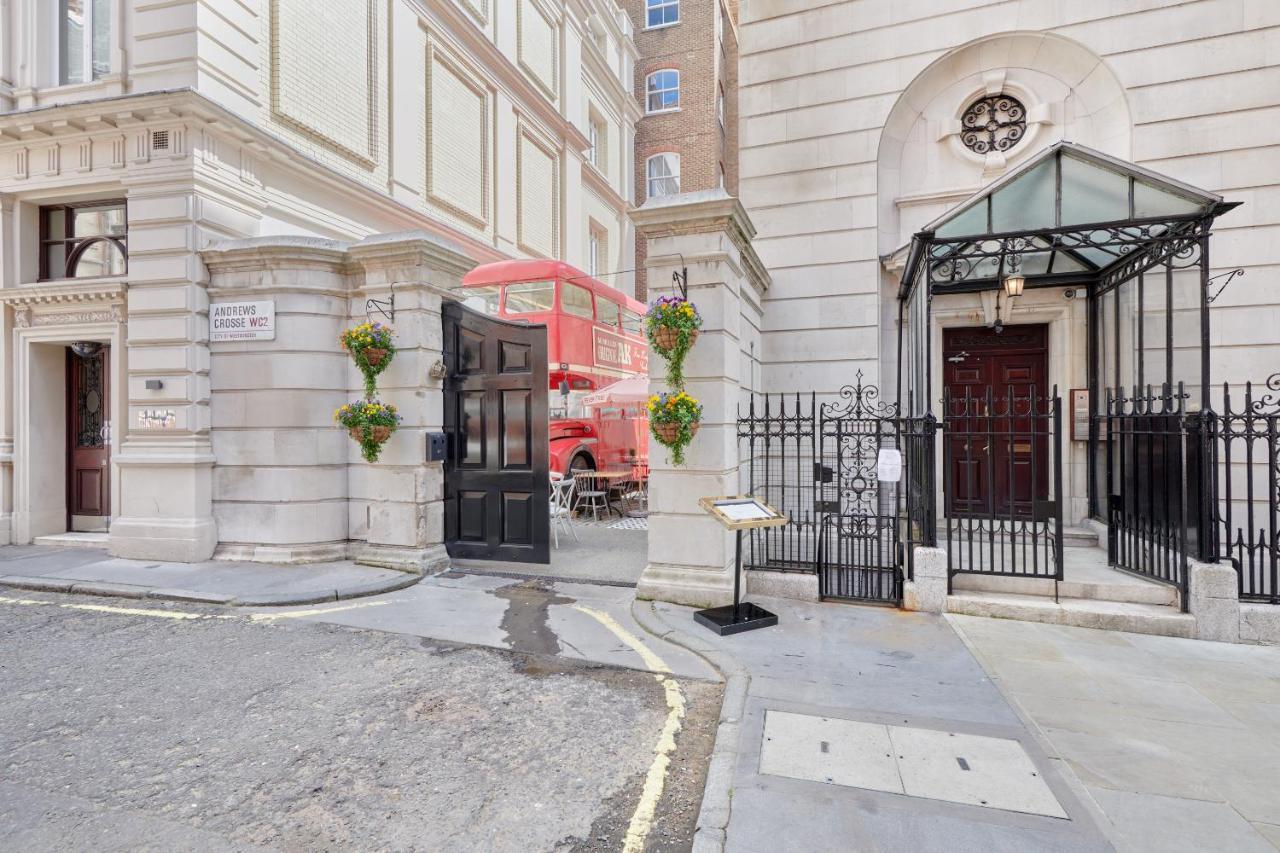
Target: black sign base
734	619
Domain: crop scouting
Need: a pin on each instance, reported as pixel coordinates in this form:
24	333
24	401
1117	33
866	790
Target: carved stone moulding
66	304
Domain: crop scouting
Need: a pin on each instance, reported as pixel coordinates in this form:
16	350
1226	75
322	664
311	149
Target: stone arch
923	170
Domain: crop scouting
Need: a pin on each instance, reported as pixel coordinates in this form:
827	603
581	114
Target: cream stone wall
348	86
264	118
848	113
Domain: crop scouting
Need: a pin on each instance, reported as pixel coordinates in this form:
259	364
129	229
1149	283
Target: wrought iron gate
859	545
854	478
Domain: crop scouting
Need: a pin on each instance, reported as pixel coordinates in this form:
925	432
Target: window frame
649	177
598	136
649	92
661	6
74	247
564	306
614	307
91	26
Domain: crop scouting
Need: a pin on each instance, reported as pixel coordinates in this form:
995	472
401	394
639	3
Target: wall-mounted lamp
1014	284
86	349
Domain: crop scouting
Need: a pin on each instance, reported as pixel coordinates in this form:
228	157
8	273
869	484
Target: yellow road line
315	611
642	818
106	608
184	616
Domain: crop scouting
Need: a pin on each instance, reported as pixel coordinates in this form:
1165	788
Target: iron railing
1155	469
779	434
821	466
1245	442
1002	483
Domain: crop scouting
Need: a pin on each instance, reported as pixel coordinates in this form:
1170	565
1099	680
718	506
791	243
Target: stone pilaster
690	554
397	505
280	484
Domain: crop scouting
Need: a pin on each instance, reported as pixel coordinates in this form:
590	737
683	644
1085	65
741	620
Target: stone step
1080	613
1072	537
72	540
1123	591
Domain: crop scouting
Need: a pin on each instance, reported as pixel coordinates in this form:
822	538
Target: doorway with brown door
88	438
996	392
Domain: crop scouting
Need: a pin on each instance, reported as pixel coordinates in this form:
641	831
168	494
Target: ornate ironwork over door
859	473
496	487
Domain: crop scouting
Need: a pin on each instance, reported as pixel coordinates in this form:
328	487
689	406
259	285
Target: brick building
686	80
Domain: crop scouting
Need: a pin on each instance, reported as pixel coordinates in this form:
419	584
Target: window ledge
662	26
57	284
662	112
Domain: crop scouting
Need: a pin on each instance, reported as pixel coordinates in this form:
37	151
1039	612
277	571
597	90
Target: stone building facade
689	144
850	143
139	141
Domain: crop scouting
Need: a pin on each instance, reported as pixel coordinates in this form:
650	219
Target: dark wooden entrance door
88	445
497	490
996	384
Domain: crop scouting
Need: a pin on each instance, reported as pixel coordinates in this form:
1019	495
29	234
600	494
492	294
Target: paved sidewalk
890	669
1175	740
91	571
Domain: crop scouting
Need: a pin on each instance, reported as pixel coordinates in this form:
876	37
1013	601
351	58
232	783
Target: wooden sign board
742	512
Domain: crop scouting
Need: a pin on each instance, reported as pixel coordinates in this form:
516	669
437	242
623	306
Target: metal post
737	574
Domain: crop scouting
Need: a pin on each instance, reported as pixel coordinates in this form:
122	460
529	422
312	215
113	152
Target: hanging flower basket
370	423
371	348
674	420
672	324
667	338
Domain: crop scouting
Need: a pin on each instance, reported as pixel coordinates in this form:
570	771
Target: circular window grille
993	123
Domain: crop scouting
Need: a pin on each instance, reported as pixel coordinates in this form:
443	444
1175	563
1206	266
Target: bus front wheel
581	462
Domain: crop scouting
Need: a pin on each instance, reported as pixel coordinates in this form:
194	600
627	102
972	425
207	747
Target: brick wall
695	131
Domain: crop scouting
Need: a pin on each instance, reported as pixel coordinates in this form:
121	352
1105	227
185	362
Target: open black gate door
496	489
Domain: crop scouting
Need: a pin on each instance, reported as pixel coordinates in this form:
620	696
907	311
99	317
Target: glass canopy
1070	214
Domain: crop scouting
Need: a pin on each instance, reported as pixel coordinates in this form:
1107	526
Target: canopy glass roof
1070	212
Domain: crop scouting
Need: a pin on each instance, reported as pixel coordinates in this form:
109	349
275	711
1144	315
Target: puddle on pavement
525	621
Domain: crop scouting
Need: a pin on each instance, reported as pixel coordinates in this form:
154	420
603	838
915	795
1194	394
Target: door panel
497	491
88	447
999	451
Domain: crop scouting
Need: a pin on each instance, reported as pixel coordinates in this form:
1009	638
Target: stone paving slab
93	572
1173	739
879	666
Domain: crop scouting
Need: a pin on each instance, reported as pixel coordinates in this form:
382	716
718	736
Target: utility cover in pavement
994	773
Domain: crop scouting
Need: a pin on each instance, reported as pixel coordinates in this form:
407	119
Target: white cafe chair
562	508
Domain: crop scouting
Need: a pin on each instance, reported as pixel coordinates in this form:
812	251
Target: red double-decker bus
595	338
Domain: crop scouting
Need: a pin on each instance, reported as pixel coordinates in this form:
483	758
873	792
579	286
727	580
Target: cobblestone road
203	730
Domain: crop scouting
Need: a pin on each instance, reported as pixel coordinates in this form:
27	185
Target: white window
663	171
597	136
662	91
660	13
84	40
593	252
720	106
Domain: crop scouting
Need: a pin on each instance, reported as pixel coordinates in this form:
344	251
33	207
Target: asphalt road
208	730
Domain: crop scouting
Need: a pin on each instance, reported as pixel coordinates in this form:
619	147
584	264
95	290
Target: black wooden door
497	491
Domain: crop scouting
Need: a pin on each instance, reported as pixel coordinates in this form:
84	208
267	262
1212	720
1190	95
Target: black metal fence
1155	468
855	481
779	435
1245	442
1002	482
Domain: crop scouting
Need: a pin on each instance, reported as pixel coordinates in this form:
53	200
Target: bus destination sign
616	352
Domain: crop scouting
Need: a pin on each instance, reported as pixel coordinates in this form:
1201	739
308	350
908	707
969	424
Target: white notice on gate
889	465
